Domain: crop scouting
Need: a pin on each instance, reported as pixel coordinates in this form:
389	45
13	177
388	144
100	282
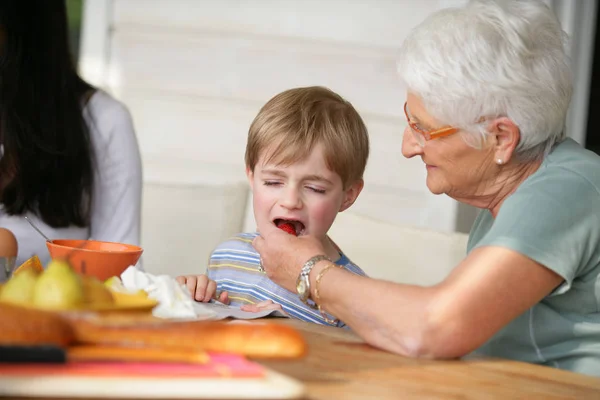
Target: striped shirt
234	266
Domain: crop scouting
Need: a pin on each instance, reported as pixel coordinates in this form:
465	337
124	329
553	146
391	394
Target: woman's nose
291	199
410	146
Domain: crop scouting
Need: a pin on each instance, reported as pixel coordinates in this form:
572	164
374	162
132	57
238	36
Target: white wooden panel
378	23
95	50
250	68
182	224
166	170
405	207
191	128
386	165
398	253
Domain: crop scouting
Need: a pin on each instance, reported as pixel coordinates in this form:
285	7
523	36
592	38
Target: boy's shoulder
240	243
239	247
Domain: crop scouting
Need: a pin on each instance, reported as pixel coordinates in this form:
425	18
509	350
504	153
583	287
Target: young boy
306	153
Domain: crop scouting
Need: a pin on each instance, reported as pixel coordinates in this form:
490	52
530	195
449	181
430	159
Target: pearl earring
499	161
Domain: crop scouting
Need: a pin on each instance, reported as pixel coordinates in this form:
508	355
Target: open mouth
290	226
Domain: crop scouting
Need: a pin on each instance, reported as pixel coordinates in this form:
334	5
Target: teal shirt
553	218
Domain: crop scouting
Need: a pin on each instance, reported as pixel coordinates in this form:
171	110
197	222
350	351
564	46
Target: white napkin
174	300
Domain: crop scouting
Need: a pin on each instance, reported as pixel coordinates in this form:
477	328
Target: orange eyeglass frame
437	133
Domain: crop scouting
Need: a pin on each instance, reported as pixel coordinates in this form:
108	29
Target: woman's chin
435	186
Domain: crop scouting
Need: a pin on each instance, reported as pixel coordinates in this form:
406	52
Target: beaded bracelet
318	297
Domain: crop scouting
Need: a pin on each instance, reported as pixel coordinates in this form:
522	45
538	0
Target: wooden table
340	366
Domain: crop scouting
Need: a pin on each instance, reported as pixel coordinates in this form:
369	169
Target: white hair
491	59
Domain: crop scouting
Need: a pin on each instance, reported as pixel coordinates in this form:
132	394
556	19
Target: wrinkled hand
283	255
202	289
263	306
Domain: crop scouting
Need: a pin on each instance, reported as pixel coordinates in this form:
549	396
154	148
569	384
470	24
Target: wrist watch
303	281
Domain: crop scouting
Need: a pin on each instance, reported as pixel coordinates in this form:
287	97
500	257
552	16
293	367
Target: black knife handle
32	354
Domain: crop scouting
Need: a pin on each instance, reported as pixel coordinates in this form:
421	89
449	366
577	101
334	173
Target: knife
32	354
58	355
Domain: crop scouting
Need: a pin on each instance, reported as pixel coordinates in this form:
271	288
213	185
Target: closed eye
316	190
271	183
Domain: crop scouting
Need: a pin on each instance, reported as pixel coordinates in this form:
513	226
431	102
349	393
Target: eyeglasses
422	136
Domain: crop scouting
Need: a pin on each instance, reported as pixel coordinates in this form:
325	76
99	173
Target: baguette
136	354
256	339
27	326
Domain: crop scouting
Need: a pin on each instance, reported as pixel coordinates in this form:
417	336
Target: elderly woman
488	91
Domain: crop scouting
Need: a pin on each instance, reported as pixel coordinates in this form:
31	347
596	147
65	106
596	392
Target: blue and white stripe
234	267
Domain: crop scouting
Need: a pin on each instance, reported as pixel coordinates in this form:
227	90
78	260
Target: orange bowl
95	258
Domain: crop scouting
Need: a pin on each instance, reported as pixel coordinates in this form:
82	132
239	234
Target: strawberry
287	227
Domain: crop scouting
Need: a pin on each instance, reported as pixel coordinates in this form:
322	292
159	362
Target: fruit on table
95	292
58	287
122	295
19	288
115	284
33	264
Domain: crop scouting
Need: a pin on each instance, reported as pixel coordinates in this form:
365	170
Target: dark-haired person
69	158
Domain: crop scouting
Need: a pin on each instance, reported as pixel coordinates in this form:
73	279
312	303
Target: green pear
95	292
19	288
58	287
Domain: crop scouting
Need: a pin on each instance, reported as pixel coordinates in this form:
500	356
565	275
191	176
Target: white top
117	190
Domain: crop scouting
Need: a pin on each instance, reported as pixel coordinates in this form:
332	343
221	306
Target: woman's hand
263	306
202	288
283	255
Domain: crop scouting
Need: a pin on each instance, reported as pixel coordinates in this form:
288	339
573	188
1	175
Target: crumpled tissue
174	299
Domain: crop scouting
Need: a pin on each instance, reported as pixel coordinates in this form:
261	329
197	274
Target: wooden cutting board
225	376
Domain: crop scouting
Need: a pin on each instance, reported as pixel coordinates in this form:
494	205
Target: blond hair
293	122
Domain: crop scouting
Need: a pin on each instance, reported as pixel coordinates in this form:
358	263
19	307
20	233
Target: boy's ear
351	194
250	176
